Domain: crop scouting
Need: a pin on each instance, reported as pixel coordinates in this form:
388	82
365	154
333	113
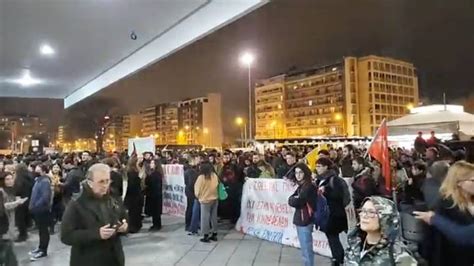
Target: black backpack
346	199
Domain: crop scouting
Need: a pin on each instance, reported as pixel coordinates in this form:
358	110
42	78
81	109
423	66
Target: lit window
310	102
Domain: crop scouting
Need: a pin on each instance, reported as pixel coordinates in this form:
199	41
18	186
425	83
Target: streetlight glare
247	58
239	121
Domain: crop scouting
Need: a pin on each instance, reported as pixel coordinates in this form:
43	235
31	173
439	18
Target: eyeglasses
368	213
102	182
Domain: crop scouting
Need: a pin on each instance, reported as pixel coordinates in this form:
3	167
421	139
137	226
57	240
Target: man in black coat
93	223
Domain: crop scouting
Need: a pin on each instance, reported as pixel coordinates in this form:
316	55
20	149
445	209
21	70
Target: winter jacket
346	167
206	189
190	177
73	182
116	185
363	186
414	192
80	229
302	199
389	250
335	198
253	171
41	196
443	250
154	192
459	234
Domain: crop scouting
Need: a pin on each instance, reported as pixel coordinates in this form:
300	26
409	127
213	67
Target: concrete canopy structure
72	49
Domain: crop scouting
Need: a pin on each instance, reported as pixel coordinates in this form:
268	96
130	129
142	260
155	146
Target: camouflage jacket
389	250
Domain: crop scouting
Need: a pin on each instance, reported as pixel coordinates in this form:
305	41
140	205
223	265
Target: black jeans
43	220
336	248
189	211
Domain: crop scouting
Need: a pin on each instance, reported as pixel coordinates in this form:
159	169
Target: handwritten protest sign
141	145
174	197
265	214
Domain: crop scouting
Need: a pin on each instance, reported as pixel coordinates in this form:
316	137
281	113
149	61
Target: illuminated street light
239	121
338	117
247	59
186	127
410	106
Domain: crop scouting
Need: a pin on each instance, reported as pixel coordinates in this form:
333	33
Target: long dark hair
158	167
206	169
306	172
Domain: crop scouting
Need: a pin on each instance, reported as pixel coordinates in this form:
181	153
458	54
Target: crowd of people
84	192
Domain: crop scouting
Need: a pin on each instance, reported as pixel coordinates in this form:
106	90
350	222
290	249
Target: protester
459	234
154	192
9	204
413	187
116	179
73	180
434	178
232	177
57	205
420	143
205	190
190	176
457	204
346	161
286	169
375	241
331	187
23	187
363	185
304	202
40	208
92	224
134	197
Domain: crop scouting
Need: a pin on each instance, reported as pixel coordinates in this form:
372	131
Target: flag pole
373	138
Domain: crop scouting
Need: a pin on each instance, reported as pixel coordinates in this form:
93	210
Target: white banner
265	214
141	145
174	197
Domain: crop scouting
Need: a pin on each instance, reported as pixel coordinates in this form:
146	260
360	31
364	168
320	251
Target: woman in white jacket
9	203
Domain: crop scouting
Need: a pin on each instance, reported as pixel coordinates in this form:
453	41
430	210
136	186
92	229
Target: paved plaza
172	246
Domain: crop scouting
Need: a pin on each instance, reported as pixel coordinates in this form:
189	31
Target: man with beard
232	178
286	170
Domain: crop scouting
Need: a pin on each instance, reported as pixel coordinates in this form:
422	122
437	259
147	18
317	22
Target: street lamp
338	117
247	60
243	130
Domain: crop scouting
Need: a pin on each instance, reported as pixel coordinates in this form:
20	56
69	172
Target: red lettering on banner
273	220
320	244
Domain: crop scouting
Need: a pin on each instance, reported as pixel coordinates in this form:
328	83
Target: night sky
436	35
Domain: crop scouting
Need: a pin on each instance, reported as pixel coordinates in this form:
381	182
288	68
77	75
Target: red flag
379	150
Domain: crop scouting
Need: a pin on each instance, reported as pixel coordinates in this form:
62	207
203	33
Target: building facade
191	121
131	128
200	121
22	130
348	98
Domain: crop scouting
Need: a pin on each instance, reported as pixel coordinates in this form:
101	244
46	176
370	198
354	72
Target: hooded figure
388	248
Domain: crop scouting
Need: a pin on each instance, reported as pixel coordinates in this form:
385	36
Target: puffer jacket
389	250
304	198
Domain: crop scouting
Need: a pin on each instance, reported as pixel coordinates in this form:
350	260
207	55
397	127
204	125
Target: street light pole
250	104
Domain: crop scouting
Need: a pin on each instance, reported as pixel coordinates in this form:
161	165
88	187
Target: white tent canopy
438	118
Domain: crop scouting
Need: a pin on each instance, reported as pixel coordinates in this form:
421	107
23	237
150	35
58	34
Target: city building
200	121
191	121
23	129
347	98
113	135
166	123
131	128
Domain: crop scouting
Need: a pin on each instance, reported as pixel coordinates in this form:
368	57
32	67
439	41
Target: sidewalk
172	246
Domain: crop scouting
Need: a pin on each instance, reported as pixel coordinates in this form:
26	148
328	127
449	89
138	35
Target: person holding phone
9	203
93	223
